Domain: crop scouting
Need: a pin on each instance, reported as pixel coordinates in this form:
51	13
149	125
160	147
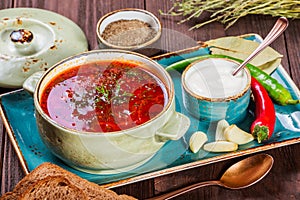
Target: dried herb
128	32
229	11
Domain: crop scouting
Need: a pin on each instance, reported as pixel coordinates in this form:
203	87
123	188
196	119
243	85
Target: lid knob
21	36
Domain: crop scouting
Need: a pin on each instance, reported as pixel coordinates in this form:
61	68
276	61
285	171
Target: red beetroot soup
104	96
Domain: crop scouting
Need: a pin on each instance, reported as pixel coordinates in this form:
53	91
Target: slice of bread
9	196
53	188
91	190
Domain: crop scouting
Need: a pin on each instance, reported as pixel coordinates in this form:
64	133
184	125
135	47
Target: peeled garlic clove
197	140
221	126
220	146
237	135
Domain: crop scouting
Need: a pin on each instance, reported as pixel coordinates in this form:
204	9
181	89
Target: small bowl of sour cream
212	93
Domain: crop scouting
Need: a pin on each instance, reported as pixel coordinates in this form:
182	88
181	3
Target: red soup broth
104	96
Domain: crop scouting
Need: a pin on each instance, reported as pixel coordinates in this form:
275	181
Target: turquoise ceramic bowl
211	93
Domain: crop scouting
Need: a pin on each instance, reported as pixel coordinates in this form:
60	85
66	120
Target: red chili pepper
263	126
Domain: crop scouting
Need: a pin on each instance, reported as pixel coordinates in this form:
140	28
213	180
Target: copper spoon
279	27
240	175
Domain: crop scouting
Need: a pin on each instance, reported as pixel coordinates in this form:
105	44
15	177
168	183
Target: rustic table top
283	181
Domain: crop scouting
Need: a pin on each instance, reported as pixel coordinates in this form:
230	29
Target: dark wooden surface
283	182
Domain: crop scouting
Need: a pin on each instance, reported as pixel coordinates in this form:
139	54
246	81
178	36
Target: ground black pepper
128	32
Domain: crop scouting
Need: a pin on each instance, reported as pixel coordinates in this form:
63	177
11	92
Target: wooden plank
283	180
178	36
278	184
6	4
84	13
292	38
11	168
2	152
140	190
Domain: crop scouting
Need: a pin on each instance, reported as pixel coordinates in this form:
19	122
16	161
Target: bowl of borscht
107	111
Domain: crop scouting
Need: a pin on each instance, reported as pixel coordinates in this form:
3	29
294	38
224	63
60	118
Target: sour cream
212	78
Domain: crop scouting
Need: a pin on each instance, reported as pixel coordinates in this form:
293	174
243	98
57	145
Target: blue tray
17	111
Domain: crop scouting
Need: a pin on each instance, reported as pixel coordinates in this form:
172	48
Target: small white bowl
148	48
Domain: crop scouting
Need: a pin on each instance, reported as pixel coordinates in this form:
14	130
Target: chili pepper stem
292	101
260	133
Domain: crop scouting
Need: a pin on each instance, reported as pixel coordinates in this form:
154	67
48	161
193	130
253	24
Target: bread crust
53	187
45	170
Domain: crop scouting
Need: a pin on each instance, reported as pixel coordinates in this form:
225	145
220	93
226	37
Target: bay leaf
241	48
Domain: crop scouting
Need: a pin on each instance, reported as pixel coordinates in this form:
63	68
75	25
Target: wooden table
283	182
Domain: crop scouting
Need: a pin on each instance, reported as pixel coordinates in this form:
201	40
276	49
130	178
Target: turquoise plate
17	111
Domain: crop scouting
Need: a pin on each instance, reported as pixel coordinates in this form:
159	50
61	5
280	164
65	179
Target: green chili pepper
276	91
181	65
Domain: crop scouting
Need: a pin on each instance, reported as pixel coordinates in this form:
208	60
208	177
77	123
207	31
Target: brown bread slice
92	190
9	196
53	188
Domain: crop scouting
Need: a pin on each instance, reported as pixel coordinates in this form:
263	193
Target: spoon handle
280	25
186	189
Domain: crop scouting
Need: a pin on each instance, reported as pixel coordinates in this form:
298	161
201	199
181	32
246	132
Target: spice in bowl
130	29
128	32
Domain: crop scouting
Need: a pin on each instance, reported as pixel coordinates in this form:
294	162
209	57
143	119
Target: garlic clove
197	140
237	135
220	146
221	126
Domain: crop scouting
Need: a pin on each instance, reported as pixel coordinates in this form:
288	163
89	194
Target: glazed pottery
211	93
111	152
33	40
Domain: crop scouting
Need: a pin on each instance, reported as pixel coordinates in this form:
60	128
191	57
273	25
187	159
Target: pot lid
33	40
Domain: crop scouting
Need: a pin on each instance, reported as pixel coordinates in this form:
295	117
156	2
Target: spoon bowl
240	175
247	172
